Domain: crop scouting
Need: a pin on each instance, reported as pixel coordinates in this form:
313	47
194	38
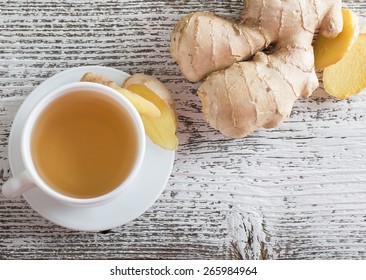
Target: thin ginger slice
329	51
143	106
162	130
348	76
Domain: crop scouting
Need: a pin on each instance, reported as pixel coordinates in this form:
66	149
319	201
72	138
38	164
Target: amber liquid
84	145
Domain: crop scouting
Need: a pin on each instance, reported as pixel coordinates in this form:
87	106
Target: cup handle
18	185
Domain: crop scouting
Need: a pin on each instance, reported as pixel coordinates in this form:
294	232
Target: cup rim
33	118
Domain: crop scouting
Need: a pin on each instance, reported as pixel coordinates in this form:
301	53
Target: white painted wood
294	192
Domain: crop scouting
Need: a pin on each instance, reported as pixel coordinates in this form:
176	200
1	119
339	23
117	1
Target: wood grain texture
294	192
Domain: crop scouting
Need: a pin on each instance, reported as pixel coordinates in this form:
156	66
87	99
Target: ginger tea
84	145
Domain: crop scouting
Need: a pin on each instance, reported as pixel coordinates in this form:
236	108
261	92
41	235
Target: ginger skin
240	97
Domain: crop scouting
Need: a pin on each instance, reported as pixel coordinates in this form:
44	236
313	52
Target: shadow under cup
84	143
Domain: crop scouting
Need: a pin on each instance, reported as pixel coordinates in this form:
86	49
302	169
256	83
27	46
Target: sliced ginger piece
162	130
348	77
329	51
143	106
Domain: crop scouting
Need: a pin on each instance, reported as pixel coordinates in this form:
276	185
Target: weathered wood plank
295	192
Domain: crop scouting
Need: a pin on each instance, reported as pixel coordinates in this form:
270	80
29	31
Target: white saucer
137	197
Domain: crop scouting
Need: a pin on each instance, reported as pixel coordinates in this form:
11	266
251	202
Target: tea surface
84	145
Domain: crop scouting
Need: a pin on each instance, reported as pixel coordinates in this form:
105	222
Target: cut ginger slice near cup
143	106
348	77
328	51
161	130
153	102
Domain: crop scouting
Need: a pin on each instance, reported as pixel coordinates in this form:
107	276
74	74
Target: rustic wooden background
295	192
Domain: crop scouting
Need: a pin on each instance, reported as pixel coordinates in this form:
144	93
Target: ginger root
240	97
161	130
329	51
143	106
348	77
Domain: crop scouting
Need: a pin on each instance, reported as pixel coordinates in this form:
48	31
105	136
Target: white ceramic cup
29	178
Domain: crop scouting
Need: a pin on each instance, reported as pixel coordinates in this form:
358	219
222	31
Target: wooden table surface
294	192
